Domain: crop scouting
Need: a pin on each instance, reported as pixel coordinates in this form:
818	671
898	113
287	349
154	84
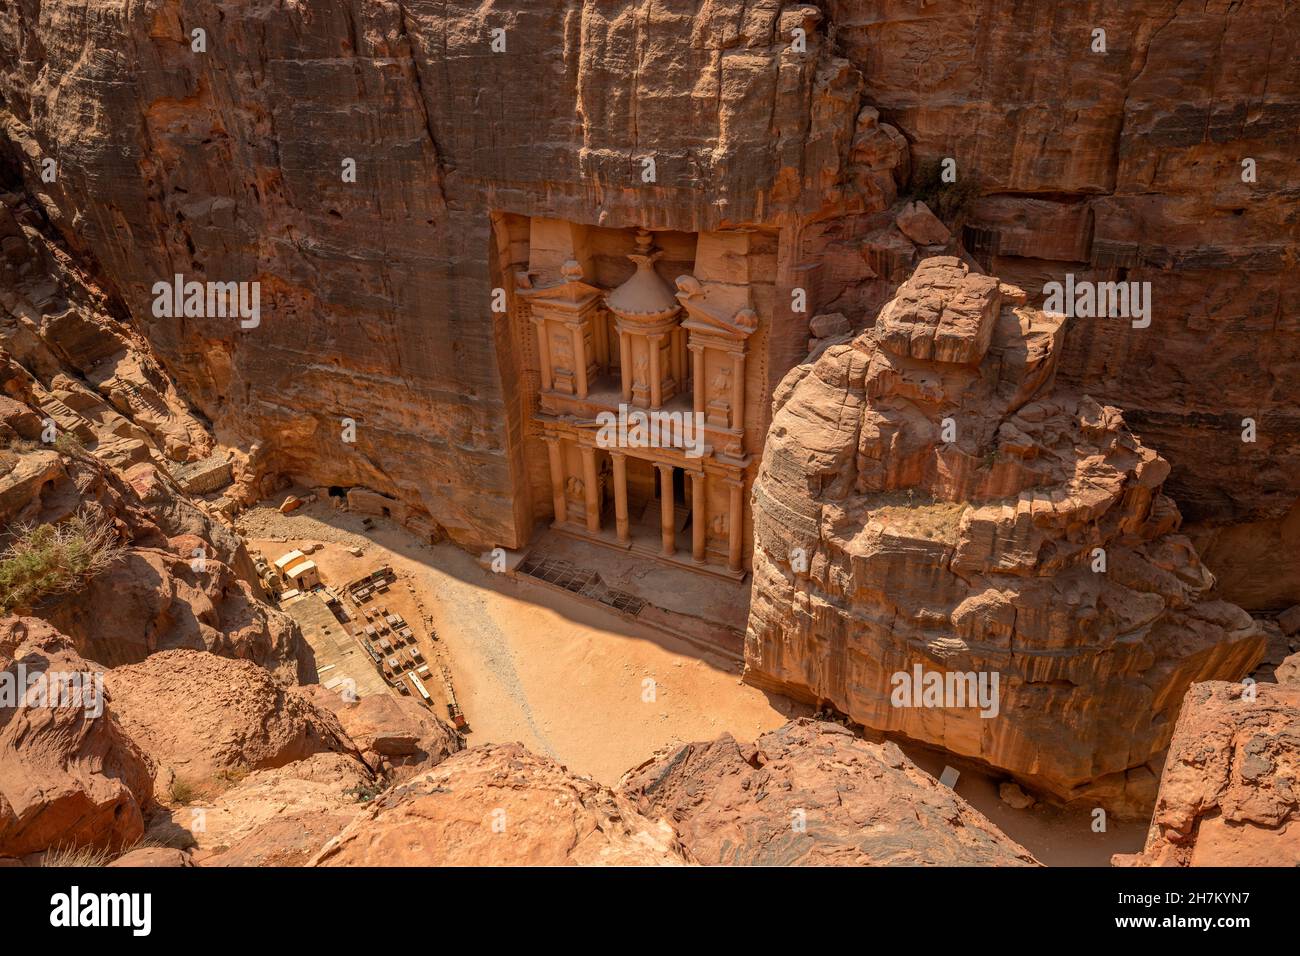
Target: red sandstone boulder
70	777
500	805
1228	794
1288	672
207	720
394	734
275	817
156	600
812	793
922	226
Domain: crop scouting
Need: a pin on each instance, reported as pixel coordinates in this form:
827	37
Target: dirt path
537	665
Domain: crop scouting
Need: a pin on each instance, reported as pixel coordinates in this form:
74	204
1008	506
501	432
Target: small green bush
48	559
182	792
948	201
69	444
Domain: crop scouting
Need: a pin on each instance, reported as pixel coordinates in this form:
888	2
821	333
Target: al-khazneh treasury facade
614	323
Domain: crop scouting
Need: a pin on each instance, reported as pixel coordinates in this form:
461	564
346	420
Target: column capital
665	466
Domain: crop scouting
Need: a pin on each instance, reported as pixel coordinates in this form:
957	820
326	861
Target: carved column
682	337
676	353
620	497
738	390
699	516
544	353
735	527
553	451
697	374
625	365
579	359
656	383
666	508
591	488
600	336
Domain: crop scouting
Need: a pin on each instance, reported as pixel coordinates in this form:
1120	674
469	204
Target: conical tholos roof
644	294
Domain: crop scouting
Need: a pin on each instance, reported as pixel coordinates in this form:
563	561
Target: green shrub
69	444
44	560
182	792
948	201
364	793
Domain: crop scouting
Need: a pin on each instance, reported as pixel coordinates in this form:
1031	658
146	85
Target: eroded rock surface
814	794
207	720
499	805
70	776
396	736
926	500
275	817
1086	162
1228	794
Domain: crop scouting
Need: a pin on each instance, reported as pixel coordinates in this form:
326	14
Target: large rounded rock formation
812	793
206	720
945	549
499	805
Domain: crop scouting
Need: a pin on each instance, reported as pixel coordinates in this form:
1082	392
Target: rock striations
70	776
927	505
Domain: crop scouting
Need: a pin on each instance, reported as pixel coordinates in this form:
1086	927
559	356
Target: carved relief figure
721	384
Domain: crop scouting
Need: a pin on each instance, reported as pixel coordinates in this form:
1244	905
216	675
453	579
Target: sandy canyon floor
567	677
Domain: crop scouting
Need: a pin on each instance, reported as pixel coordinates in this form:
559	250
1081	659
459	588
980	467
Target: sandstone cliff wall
226	165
